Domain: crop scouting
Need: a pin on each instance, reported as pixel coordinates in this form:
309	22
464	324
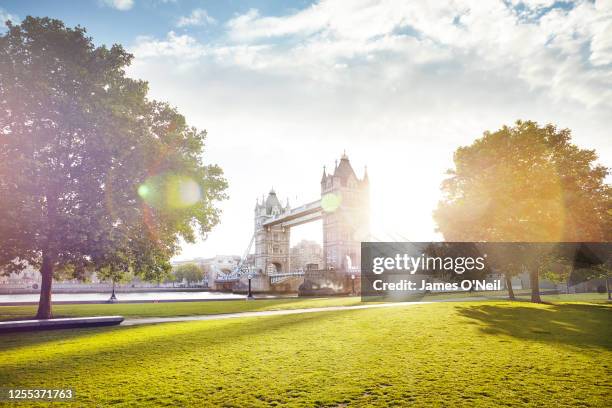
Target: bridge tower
271	242
345	203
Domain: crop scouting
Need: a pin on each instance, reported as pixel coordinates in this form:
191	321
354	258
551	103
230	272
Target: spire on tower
324	175
344	170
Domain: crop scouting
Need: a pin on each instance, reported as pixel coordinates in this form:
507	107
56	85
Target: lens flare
170	191
330	202
143	191
182	192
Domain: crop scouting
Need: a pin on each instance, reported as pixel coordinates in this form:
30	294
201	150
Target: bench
63	323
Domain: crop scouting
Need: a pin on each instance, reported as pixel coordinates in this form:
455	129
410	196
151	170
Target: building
345	200
271	243
306	255
224	264
29	277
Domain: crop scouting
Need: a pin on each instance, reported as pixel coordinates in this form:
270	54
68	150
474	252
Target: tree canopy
93	174
189	272
526	183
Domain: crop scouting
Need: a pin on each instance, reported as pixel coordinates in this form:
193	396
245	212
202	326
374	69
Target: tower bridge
296	216
344	210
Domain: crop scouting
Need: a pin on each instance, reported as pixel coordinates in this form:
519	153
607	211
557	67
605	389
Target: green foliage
190	272
114	275
81	148
556	270
595	272
526	183
481	354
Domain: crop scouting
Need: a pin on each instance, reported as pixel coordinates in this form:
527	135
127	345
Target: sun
401	206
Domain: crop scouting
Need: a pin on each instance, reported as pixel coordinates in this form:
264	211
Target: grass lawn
134	310
441	354
523	294
571	297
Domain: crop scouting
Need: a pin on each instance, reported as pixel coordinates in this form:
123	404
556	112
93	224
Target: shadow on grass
137	310
134	345
16	340
570	324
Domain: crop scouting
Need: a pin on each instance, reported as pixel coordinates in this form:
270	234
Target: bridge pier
330	282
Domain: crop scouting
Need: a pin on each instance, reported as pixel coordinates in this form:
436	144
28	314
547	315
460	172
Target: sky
284	87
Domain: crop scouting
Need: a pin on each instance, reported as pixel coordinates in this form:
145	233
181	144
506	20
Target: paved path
151	320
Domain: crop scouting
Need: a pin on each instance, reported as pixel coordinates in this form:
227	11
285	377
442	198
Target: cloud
252	26
198	17
601	42
122	5
178	46
400	85
546	45
6	16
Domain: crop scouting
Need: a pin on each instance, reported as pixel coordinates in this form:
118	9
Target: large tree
93	174
526	183
190	272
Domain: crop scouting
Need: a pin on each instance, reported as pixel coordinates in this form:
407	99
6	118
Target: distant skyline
284	87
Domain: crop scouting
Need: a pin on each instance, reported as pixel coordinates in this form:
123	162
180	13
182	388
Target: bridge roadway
297	216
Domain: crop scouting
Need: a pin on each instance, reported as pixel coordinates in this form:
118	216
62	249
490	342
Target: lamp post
113	298
250	294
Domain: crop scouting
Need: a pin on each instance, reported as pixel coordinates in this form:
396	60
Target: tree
526	183
594	263
93	174
603	271
190	272
557	270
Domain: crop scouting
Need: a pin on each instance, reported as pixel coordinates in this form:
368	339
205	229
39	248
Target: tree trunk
608	287
534	282
44	305
509	287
